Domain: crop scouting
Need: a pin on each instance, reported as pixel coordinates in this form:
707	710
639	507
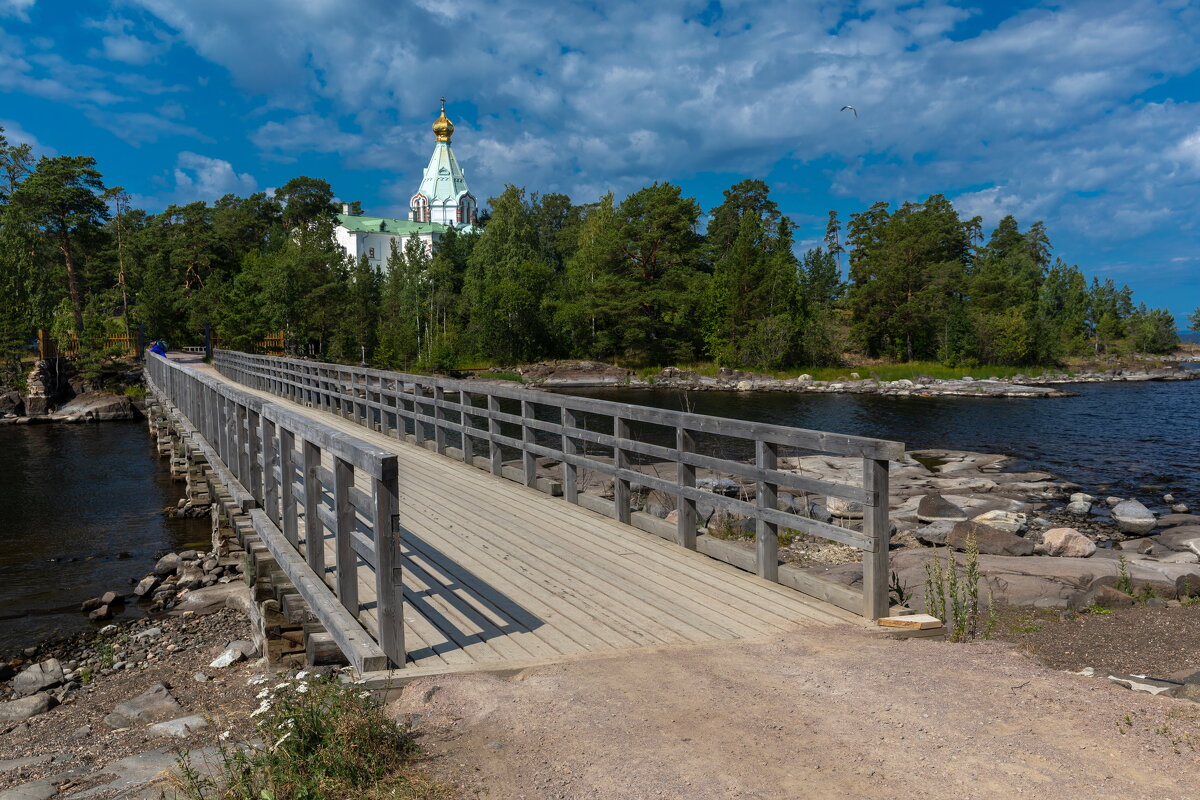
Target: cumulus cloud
1037	115
16	8
121	44
18	135
202	178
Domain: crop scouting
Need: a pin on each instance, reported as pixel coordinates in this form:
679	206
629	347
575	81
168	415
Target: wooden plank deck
498	572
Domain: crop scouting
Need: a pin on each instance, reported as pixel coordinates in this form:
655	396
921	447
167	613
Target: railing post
685	475
418	427
495	456
766	560
439	415
314	530
528	459
343	515
256	456
468	441
389	577
621	488
287	445
243	451
570	472
876	525
270	456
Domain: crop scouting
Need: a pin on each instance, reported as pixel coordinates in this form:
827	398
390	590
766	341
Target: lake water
72	499
1128	439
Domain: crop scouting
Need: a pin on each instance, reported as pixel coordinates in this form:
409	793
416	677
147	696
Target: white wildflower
364	695
302	688
264	693
258	680
224	735
282	739
263	708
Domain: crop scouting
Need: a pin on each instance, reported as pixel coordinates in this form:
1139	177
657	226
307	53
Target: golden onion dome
443	128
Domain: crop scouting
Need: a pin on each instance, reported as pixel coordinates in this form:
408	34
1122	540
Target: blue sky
1083	114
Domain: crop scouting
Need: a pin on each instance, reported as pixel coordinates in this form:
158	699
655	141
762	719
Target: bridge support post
767	533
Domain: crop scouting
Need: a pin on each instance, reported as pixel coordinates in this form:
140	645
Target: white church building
442	201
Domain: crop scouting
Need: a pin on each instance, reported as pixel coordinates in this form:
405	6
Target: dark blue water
1136	439
72	499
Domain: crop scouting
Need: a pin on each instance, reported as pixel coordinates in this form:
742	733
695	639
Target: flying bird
852	108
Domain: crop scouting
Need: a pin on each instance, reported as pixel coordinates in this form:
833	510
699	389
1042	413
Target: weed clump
317	739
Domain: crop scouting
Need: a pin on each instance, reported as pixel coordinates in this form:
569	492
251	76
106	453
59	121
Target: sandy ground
828	714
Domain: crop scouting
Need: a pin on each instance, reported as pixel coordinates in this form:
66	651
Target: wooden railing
629	444
286	464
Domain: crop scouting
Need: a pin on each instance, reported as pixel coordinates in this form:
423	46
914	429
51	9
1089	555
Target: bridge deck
495	571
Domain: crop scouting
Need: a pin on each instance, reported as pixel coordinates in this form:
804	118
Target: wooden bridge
436	525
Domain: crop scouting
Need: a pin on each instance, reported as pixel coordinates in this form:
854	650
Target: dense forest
648	280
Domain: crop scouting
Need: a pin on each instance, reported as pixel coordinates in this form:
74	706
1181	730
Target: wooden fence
628	444
49	348
304	483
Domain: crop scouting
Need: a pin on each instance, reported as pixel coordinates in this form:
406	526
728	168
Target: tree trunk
72	283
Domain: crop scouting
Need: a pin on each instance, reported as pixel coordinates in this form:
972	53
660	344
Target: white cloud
1040	110
199	177
18	135
136	128
16	8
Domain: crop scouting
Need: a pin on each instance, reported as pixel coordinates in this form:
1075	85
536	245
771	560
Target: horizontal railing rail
573	431
302	482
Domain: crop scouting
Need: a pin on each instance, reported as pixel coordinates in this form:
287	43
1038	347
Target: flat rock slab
35	790
178	728
97	407
208	600
151	706
141	769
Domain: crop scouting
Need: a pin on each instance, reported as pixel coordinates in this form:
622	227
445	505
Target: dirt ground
815	714
1160	642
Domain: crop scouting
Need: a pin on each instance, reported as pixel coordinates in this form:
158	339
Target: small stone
935	533
148	632
189	555
146	585
1168	498
112	599
1112	501
1081	497
91	604
199	677
1078	507
1106	596
153	704
1179	508
844	509
228	658
101	613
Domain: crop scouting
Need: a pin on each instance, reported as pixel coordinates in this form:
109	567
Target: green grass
503	375
135	392
320	739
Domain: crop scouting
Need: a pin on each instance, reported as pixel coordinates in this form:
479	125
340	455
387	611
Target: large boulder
209	599
935	508
25	707
153	705
1067	543
1183	538
97	407
844	509
1133	517
38	677
166	565
935	533
989	540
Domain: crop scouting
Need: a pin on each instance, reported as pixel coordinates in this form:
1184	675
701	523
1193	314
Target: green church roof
395	227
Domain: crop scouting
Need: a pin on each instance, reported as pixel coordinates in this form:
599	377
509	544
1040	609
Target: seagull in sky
852	108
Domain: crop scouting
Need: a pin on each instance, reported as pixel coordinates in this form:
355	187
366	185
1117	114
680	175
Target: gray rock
844	509
1009	521
1112	501
1067	543
1184	537
1168	498
101	613
819	512
991	541
25	707
935	533
91	604
148	632
248	648
166	565
1179	508
112	599
1078	507
1175	520
189	555
178	728
43	789
1080	497
935	508
1105	596
151	706
1187	586
209	599
228	657
1188	691
38	677
146	586
1133	517
1149	685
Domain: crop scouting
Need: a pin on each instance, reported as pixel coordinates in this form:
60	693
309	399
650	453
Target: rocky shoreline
53	395
592	374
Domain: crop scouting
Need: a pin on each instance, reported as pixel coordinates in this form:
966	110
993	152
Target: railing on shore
287	463
575	431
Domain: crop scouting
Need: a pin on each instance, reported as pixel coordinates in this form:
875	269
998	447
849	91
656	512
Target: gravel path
832	714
